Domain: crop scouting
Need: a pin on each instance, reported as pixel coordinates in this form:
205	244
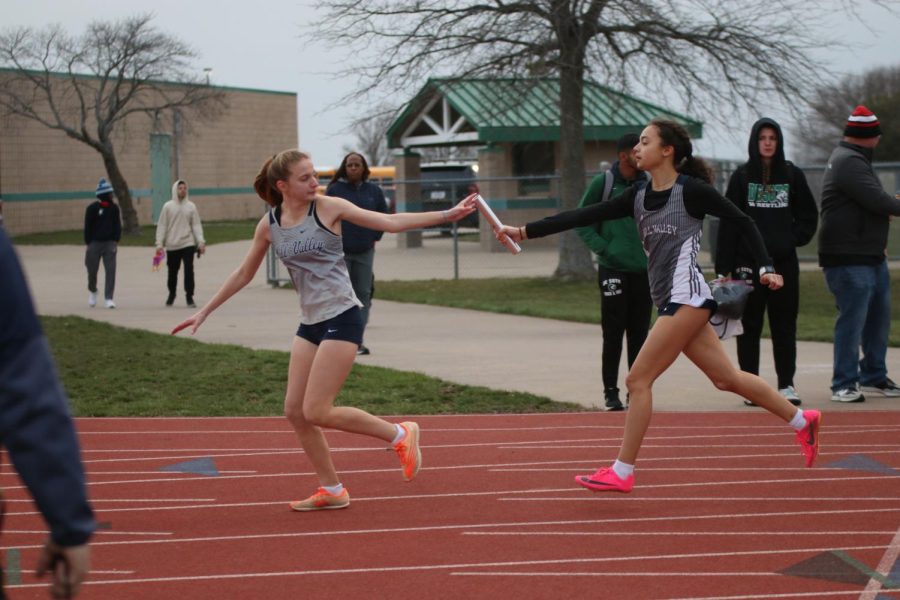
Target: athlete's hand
772	280
517	234
193	322
465	207
68	565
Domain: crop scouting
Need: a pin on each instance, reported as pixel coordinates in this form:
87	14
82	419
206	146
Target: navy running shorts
347	327
672	307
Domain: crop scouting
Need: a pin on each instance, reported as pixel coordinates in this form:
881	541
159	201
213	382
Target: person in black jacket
856	213
38	434
102	231
351	182
775	194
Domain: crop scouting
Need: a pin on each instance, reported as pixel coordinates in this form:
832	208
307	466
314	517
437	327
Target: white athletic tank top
671	240
314	258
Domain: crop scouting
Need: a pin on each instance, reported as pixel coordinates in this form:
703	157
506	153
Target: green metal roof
523	110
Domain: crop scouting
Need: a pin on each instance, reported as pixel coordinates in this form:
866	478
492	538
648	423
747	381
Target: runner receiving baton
669	213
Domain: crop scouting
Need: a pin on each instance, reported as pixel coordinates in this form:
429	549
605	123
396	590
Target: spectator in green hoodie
625	303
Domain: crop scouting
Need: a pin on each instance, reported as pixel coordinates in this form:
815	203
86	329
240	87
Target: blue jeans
863	296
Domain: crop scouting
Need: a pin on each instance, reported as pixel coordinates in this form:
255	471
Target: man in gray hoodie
180	232
856	214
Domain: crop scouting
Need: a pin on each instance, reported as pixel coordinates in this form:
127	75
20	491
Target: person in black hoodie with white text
775	194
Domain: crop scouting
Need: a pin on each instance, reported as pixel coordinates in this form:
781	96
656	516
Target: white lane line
880	427
669	469
772	596
487	416
594	498
617	497
638	574
132	500
498	446
673	533
187	478
93	472
884	568
474	526
103	532
565	445
665	438
612	574
453	566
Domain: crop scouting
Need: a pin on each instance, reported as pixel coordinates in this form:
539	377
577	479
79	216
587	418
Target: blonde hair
277	168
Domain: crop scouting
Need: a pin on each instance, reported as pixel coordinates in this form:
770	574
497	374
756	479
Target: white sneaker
790	394
92	299
851	394
886	388
110	303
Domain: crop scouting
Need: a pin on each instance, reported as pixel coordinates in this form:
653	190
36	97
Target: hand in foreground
515	233
193	322
465	207
772	280
68	565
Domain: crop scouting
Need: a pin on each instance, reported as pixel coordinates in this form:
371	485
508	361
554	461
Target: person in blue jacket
37	431
351	182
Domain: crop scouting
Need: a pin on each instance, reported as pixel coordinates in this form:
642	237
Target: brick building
47	179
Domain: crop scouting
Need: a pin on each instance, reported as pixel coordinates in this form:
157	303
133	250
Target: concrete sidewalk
551	358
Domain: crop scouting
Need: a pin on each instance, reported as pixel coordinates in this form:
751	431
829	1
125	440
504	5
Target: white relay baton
485	210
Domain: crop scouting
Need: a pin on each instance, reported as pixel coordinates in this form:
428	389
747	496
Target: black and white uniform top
314	258
670	225
671	240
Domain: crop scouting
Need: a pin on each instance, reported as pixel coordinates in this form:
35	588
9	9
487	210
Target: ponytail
275	169
675	135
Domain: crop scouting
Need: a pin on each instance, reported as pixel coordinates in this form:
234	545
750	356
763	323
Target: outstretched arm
620	206
237	280
337	209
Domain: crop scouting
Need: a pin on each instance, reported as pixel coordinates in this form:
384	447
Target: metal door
160	171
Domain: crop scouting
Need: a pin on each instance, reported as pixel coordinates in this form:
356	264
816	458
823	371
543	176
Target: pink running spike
606	480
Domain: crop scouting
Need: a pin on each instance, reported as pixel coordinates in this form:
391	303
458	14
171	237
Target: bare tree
371	136
714	55
87	86
823	124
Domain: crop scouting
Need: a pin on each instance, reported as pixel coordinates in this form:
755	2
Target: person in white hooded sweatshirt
180	232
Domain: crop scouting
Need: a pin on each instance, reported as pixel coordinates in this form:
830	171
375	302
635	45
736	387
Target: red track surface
722	504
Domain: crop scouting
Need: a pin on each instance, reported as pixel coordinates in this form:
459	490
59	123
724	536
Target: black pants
174	258
625	308
783	305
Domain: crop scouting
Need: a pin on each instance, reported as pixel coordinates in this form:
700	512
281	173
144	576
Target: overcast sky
261	45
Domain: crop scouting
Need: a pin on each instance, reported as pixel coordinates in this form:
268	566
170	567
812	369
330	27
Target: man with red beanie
856	212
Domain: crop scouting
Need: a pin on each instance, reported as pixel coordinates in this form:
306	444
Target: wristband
766	270
446	215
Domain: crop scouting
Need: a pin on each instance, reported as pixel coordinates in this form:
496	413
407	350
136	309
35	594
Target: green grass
580	301
112	371
215	232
